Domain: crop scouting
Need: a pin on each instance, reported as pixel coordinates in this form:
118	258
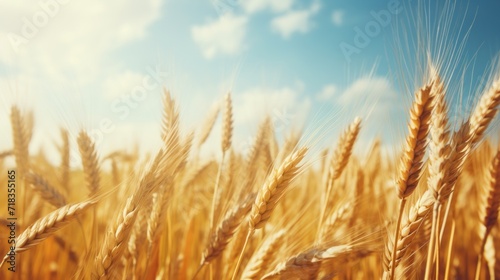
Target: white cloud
252	6
61	51
122	84
224	36
375	100
369	90
56	48
254	103
338	17
145	134
327	92
298	21
286	106
73	37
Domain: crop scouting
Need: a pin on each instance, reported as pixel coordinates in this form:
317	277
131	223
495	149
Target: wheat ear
439	155
492	204
65	159
269	195
90	162
416	142
338	163
208	125
261	260
170	120
154	216
44	227
227	132
274	188
227	129
46	191
412	160
301	266
225	231
119	233
20	139
257	146
306	264
469	134
458	153
343	152
409	228
116	240
484	112
439	144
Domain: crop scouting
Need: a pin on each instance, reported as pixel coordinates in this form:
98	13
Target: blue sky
77	63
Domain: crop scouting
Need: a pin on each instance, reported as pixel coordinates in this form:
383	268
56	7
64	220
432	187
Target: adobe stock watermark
31	26
281	119
224	6
123	105
363	37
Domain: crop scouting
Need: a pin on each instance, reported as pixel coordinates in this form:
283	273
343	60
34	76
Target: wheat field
278	211
286	208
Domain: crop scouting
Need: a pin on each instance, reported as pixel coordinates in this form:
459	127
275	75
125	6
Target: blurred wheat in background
270	213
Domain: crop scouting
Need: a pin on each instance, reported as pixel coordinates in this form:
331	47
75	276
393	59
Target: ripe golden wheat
279	211
268	214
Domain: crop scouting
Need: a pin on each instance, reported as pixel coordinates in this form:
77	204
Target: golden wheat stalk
21	140
267	252
491	206
227	134
439	149
170	120
208	125
90	162
484	112
302	266
119	232
46	191
439	155
306	264
257	146
116	241
46	226
416	142
227	128
65	161
409	227
469	134
338	162
270	193
412	160
225	231
274	188
458	152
